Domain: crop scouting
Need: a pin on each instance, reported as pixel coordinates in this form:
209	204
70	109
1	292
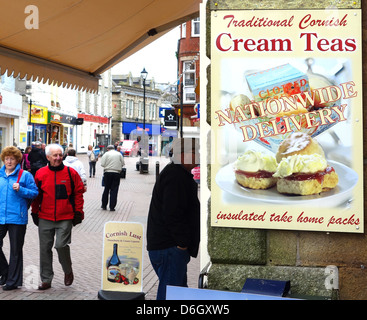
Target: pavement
86	247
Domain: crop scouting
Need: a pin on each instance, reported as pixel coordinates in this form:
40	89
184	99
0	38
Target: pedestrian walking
93	158
112	162
173	229
17	188
72	161
37	157
26	165
56	209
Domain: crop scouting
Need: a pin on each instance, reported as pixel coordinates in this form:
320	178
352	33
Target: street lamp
144	160
144	75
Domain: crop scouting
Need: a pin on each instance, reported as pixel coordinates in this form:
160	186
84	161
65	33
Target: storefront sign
92	118
10	103
151	129
39	114
61	118
278	78
122	262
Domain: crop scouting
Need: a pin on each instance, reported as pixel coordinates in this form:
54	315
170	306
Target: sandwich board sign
122	261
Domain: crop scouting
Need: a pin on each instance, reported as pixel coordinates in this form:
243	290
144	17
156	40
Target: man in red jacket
57	208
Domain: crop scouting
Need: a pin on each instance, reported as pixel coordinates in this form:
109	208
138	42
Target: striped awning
71	42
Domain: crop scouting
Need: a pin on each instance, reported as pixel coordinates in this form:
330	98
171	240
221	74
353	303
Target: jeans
92	168
170	265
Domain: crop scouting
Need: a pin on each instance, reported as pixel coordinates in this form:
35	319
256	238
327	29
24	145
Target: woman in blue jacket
17	188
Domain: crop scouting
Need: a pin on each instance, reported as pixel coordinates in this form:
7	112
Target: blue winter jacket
13	204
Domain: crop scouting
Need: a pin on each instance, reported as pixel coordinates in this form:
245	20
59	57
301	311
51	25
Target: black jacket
174	213
37	159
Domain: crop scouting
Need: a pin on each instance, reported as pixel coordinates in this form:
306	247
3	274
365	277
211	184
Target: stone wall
301	257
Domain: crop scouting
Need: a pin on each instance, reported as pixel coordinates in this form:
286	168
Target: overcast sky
158	58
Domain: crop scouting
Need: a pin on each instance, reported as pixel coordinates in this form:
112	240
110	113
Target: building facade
95	110
128	116
189	71
37	111
11	110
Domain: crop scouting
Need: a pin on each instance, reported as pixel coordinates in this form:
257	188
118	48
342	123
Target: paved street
86	247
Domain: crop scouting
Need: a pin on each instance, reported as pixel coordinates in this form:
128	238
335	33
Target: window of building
189	81
189	73
195	27
152	111
140	110
189	95
183	30
129	108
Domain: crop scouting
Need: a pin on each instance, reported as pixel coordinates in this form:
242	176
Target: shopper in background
72	161
112	162
93	158
26	165
37	157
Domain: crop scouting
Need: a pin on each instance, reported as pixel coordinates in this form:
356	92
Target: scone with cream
298	143
305	175
255	170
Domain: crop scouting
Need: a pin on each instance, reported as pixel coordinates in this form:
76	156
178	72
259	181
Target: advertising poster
286	120
122	259
39	114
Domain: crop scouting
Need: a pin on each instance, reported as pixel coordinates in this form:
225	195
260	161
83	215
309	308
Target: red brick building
189	71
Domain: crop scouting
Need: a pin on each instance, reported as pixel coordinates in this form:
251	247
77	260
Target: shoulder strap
71	197
19	174
71	180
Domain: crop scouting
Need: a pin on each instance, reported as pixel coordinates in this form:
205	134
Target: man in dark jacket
173	231
57	208
37	158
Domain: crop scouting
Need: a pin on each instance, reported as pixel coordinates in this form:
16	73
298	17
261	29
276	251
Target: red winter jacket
54	201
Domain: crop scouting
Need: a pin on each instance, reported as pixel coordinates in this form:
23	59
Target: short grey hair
53	146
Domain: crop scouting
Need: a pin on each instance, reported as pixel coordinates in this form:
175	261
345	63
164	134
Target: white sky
158	58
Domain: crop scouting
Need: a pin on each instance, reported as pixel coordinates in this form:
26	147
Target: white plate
348	178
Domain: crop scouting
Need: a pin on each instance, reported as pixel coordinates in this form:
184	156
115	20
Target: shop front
37	130
90	133
132	129
168	135
60	129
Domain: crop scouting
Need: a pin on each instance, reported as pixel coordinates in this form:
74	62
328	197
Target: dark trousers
170	265
111	188
13	269
92	168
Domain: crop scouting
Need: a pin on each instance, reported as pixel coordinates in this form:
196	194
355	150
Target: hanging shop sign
286	119
39	114
122	262
61	118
